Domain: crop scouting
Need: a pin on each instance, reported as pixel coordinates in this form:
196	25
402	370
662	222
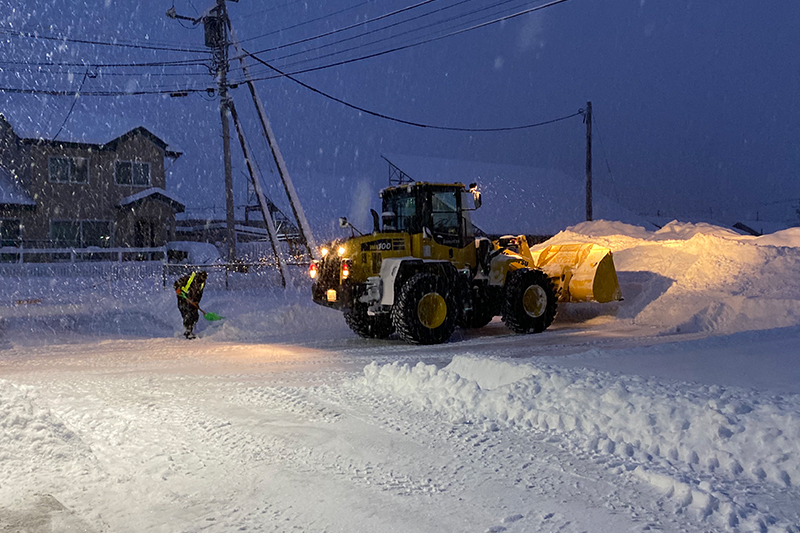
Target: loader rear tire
425	310
530	301
369	327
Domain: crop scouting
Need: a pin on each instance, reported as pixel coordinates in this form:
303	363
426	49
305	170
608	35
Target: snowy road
677	410
161	435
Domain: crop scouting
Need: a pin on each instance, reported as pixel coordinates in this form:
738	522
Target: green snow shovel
211	317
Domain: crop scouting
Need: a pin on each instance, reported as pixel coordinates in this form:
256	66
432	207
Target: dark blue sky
696	102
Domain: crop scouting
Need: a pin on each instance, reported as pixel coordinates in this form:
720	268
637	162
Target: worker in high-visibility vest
189	290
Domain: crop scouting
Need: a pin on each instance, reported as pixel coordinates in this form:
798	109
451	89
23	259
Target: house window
133	173
10	232
80	233
68	169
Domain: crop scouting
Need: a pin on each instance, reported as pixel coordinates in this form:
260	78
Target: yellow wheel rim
534	301
432	310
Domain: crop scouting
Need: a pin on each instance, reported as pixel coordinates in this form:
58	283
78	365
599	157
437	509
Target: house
62	194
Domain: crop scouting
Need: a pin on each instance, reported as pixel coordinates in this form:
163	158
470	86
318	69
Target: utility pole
216	36
587	118
217	26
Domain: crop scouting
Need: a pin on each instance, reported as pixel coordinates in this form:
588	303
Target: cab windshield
403	206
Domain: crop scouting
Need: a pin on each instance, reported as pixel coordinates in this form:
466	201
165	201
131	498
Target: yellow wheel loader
421	272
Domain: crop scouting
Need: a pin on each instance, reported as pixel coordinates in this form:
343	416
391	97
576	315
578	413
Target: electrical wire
408	122
350	27
415	44
77	95
323	17
273	8
359	36
388	38
177	63
63	38
54	92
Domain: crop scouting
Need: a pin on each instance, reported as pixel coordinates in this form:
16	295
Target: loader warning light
312	270
345	269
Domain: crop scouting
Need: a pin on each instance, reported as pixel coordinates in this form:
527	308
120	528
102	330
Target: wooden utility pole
587	117
217	39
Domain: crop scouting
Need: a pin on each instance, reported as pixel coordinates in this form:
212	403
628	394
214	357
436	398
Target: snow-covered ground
674	410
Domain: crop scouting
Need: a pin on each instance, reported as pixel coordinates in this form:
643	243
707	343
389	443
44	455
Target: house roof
94	131
154	193
10	191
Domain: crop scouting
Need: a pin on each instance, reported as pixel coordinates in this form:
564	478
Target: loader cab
437	212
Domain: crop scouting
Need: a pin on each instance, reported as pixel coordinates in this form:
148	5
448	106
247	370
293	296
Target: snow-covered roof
92	128
10	191
156	193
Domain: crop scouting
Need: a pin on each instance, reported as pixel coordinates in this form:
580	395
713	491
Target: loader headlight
323	252
341	251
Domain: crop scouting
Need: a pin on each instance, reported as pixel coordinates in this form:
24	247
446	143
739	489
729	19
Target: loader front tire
369	327
530	303
425	310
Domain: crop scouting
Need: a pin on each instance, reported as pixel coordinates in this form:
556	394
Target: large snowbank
699	277
699	430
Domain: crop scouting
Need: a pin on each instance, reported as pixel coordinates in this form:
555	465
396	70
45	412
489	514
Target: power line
273	8
412	45
141	92
77	95
408	122
176	63
323	17
63	38
378	41
340	41
350	27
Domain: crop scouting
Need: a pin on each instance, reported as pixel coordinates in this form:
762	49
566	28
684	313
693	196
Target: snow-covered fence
104	265
101	270
22	255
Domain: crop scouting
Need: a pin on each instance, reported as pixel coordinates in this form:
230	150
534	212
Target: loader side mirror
343	222
476	195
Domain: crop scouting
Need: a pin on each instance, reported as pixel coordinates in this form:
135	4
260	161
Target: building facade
58	194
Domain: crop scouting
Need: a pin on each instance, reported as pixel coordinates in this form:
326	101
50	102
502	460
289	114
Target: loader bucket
582	272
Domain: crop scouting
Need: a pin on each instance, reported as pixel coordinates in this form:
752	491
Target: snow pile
708	430
62	308
699	277
34	441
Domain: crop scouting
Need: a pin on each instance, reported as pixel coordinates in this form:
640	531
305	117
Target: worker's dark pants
189	313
